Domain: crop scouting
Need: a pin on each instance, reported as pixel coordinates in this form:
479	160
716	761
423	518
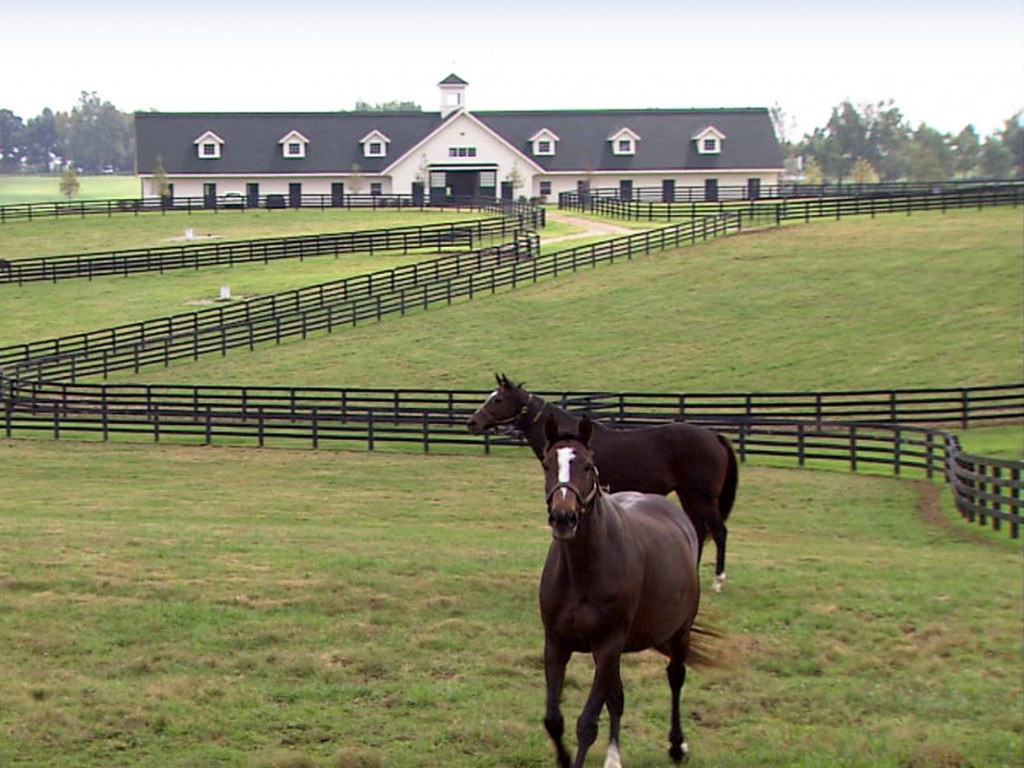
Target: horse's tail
705	648
727	496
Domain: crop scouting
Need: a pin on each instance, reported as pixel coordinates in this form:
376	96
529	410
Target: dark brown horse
621	576
695	463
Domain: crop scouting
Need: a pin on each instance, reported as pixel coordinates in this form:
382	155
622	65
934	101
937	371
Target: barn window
544	142
545	188
208	146
375	148
709	141
293	145
624	142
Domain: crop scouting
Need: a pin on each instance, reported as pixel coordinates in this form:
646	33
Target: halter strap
585	501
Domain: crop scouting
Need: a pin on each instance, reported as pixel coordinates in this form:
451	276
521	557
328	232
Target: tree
388	106
812	172
966	152
863	172
11	141
996	160
98	135
356	178
160	184
930	156
42	141
1012	138
69	182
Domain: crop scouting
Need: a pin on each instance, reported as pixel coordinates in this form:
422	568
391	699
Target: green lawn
46	189
292	609
932	300
209	606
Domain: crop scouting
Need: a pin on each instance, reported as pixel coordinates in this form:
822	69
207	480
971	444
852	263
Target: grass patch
91	234
46	189
171	607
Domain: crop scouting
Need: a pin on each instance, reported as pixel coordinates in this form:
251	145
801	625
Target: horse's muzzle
475	426
563	524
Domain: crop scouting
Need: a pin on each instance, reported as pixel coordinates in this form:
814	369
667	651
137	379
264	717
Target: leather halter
522	412
585	501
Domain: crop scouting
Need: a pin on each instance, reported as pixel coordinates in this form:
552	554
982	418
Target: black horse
697	464
621	576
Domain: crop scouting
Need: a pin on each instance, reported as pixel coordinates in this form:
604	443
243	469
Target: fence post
853	447
1015	477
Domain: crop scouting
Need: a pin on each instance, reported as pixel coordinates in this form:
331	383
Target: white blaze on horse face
565	457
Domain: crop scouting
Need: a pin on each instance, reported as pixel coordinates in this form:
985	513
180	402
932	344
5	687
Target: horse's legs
616	702
719	532
678	749
555	659
702	510
607	681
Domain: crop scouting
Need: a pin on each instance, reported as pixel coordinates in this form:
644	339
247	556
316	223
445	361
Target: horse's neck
532	423
588	554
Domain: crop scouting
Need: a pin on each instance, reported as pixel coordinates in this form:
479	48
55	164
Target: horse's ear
586	430
498	377
551	428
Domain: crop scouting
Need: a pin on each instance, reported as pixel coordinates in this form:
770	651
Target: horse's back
656	516
659	459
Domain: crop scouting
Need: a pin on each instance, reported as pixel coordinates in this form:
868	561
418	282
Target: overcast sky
943	63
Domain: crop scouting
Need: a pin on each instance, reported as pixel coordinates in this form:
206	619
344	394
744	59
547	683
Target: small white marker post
225	293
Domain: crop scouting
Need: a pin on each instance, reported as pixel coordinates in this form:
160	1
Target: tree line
859	143
874	142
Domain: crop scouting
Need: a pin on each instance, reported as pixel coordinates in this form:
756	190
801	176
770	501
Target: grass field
204	607
223	607
831	305
46	189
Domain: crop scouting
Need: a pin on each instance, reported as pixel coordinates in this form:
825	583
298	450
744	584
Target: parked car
233	200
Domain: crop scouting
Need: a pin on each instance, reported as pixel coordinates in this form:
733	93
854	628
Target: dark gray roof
453	79
666	138
251	139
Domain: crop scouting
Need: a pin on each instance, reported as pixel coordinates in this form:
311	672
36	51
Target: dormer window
293	145
709	141
543	143
208	146
624	142
375	144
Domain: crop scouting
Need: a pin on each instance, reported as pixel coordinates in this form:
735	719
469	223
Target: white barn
456	152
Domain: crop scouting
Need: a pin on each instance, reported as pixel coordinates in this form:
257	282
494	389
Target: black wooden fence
781	210
985	490
229	203
192	255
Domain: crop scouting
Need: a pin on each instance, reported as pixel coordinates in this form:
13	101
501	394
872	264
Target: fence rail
781	209
233	203
985	490
461	234
785	191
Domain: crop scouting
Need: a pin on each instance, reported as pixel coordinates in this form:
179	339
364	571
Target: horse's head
503	406
571	484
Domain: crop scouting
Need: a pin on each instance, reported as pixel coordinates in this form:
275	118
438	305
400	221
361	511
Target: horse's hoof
680	753
719	582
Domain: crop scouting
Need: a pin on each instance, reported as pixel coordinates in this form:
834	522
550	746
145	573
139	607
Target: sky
944	63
